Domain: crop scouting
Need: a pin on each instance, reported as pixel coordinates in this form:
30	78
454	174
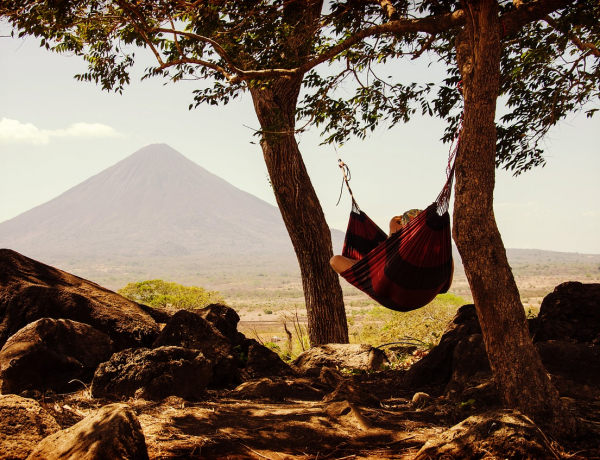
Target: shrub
159	293
424	325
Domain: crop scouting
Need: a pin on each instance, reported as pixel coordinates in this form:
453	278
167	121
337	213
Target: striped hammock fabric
407	270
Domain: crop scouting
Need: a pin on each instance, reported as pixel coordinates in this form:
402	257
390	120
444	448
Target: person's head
398	222
395	224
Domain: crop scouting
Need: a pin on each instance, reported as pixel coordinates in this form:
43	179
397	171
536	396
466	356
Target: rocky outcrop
566	336
23	424
51	353
262	362
570	313
30	290
436	367
494	434
471	373
153	374
113	432
574	367
341	356
189	330
225	319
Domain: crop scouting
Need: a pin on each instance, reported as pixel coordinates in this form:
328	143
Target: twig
253	451
575	453
402	440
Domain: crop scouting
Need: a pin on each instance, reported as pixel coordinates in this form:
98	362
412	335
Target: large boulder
225	319
502	434
30	290
113	432
23	424
262	362
436	367
187	329
49	354
153	374
471	373
570	313
341	356
574	367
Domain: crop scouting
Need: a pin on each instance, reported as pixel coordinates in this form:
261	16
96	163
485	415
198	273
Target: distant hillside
157	214
154	204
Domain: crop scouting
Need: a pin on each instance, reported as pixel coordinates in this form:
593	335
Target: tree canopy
549	65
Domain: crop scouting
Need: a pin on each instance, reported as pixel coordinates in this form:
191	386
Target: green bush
424	325
159	293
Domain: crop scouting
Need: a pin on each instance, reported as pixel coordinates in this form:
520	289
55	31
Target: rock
575	367
190	330
153	374
50	353
30	290
498	434
263	362
113	432
330	377
571	312
277	389
341	356
420	399
225	319
349	390
23	424
261	388
348	414
471	373
160	315
345	388
436	367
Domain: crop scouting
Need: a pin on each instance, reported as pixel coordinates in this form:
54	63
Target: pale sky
56	132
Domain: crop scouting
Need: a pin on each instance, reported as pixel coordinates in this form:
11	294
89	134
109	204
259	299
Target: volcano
154	203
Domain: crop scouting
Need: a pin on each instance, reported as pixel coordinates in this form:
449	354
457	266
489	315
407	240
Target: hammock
410	268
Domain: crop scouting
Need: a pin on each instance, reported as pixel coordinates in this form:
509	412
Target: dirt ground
222	426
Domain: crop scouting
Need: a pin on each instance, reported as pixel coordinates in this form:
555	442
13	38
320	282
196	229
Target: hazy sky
56	132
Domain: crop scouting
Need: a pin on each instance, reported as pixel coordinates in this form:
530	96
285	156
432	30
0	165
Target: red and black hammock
407	270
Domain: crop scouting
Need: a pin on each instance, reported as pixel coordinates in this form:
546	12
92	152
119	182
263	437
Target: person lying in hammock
340	263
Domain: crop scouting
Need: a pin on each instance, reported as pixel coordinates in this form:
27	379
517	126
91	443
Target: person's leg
341	264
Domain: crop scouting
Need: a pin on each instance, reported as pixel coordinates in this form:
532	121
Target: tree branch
217	47
211	65
525	13
424	48
511	22
574	39
389	9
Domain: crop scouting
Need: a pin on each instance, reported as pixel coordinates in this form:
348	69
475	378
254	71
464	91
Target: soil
222	426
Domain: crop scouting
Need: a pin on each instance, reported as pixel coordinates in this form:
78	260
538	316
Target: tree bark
275	106
521	378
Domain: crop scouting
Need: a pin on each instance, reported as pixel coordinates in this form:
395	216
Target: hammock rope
346	179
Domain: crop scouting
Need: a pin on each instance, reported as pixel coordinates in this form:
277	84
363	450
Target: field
267	293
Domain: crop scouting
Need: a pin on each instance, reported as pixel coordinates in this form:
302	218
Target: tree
160	294
543	87
228	42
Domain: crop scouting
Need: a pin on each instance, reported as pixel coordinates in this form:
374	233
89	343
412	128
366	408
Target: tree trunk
275	106
521	378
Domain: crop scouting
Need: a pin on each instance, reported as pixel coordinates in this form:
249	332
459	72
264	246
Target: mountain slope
156	202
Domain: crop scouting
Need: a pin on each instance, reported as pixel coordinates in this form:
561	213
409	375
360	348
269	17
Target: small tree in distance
161	294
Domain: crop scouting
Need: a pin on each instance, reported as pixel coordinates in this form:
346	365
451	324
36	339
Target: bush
424	325
159	293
